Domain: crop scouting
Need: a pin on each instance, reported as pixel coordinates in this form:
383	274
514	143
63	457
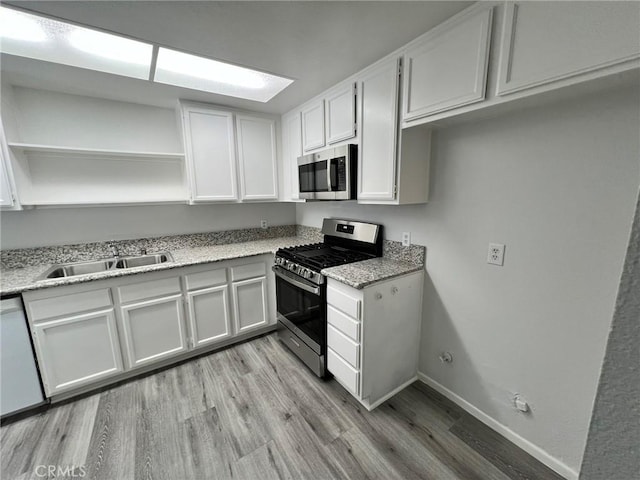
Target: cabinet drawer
210	278
343	372
149	289
344	302
258	269
344	323
69	304
343	346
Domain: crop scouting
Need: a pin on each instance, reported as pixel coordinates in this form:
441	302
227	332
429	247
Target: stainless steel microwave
329	174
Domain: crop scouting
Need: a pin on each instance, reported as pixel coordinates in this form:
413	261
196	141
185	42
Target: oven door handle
287	277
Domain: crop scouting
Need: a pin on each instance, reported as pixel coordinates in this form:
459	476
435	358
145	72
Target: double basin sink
97	266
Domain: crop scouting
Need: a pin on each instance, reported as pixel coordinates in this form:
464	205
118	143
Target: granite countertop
367	272
17	280
22	268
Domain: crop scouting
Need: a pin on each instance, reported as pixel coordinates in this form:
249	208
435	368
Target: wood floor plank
253	411
208	446
114	433
514	462
267	460
59	436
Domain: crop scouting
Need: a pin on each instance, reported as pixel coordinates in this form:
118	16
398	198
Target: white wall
59	226
557	185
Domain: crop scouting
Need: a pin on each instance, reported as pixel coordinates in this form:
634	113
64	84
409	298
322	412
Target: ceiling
317	43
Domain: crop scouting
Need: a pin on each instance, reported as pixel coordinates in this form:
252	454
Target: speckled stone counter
20	269
361	274
18	280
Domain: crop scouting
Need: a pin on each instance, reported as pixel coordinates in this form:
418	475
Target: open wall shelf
58	150
74	150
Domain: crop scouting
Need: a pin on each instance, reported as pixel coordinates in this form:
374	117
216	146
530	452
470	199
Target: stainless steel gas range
301	288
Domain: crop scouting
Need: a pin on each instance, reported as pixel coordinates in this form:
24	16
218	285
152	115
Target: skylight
27	35
31	36
191	71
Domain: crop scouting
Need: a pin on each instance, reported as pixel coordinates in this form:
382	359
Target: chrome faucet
114	250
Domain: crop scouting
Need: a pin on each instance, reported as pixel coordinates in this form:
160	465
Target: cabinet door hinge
395	190
400	67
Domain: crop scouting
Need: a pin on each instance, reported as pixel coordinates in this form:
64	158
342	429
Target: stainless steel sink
97	266
142	260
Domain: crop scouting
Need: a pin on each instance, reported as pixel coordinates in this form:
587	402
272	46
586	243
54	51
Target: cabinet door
379	133
548	41
449	68
153	330
292	149
341	114
257	157
210	153
77	350
313	126
250	303
209	315
6	194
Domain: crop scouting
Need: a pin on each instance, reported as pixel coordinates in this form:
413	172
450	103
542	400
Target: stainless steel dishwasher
20	387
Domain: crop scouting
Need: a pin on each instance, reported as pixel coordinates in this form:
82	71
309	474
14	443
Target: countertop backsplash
26	257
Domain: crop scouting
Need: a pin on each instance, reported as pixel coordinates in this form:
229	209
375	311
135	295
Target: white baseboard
533	450
380	401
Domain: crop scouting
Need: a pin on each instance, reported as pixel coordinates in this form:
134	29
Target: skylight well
27	35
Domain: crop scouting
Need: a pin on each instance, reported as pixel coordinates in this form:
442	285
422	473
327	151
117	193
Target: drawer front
343	346
343	302
343	372
149	289
344	323
252	270
210	278
69	304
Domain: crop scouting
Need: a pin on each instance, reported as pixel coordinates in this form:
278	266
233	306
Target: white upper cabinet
544	42
257	158
448	67
291	150
225	150
379	132
313	126
210	153
331	119
341	113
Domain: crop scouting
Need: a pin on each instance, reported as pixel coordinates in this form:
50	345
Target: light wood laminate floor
254	412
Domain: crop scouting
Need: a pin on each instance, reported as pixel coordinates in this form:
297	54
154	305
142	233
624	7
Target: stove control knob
307	274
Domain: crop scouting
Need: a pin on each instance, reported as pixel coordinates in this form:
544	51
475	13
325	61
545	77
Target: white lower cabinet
95	333
250	304
373	336
153	329
209	317
77	350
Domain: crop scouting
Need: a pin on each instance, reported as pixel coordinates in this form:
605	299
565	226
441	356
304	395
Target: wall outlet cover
264	224
495	256
406	239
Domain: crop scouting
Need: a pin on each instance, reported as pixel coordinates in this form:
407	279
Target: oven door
302	308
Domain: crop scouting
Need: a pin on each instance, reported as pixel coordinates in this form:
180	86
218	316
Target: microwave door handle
329	171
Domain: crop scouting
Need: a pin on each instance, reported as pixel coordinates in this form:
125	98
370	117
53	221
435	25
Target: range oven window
304	309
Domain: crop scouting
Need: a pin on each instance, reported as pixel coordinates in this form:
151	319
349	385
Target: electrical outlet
406	239
496	254
264	224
